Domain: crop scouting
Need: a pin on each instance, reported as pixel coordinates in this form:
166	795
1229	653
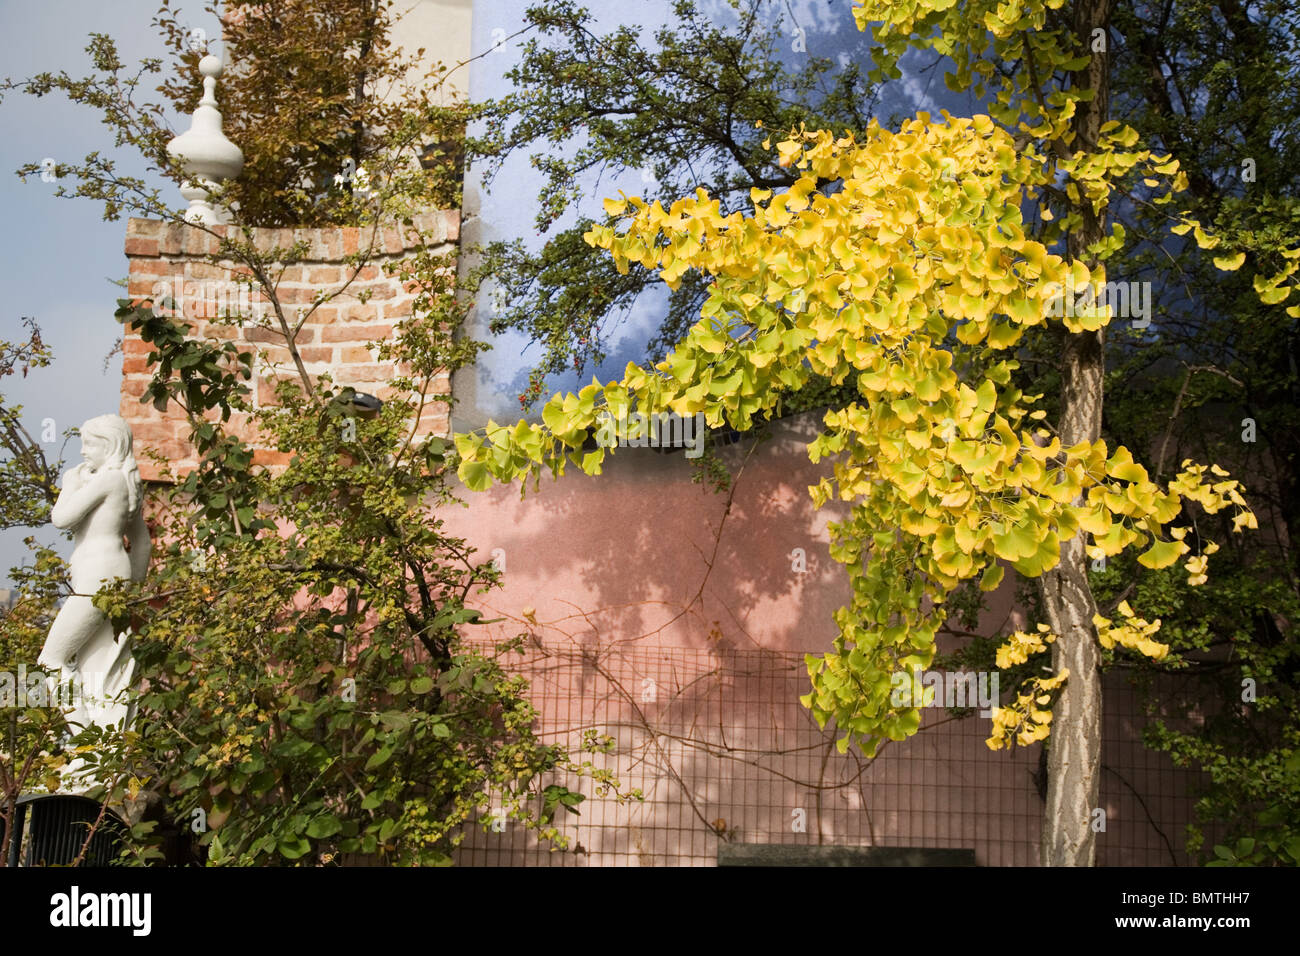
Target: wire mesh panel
723	751
1148	801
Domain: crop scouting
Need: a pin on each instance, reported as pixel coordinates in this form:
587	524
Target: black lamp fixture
442	152
363	405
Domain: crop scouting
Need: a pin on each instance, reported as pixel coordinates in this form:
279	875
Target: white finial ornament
208	156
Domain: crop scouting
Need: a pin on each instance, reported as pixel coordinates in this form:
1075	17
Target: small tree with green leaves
31	730
320	100
310	688
311	691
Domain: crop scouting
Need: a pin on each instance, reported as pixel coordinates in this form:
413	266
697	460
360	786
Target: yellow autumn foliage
948	469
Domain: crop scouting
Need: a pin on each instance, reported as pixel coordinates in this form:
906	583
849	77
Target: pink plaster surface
639	553
673	619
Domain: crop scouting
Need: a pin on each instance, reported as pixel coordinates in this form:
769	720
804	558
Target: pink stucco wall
639	553
677	625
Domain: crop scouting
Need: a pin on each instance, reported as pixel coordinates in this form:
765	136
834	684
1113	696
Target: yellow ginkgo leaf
1203	238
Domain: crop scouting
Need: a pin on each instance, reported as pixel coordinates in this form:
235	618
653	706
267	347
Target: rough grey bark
1074	747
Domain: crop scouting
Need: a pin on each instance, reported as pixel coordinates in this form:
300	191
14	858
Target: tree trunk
1074	747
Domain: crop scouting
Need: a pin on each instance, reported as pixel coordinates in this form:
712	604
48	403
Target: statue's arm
78	498
141	547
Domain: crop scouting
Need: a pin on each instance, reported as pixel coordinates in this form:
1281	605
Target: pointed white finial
207	155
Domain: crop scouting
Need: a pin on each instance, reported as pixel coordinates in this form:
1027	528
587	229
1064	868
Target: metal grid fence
722	750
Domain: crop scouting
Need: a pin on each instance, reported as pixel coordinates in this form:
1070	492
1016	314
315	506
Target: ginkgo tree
912	263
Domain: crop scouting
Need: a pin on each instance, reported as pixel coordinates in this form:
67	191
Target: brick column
176	260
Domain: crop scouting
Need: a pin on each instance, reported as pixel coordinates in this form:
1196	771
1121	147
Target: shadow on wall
674	619
640	552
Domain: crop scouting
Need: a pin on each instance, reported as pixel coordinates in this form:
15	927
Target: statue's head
106	442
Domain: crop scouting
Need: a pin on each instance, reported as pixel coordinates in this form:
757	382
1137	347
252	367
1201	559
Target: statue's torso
98	552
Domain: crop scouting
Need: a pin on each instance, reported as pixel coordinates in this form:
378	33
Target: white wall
442	28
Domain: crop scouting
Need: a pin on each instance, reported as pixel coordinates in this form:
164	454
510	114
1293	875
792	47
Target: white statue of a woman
100	503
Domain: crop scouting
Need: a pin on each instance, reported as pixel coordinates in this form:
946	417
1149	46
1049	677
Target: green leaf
475	475
323	827
294	746
379	758
1161	554
992	577
261	782
294	848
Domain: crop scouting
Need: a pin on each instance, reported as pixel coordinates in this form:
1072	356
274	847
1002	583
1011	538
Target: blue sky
60	255
809	28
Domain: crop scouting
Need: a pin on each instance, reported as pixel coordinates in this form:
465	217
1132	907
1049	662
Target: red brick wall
176	260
